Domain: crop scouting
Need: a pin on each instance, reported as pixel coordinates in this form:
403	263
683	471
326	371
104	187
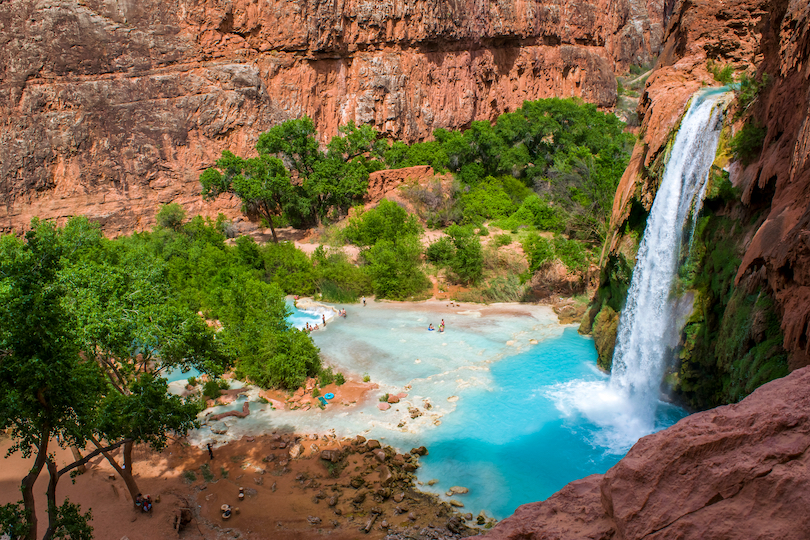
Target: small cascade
646	321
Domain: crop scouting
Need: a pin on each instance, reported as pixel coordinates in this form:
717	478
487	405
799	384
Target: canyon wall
752	312
734	472
111	108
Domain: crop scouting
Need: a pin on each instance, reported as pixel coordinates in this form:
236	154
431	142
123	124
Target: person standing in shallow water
364	301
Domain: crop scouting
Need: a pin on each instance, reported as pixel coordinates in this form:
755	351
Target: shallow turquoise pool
511	404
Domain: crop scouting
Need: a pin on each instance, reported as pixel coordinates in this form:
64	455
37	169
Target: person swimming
430	327
441	327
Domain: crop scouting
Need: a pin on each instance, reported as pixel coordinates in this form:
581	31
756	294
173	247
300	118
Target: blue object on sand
323	401
329	395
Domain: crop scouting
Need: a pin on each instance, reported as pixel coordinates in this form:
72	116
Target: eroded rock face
112	108
735	472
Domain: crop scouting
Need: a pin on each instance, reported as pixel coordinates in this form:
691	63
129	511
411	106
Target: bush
340	380
746	145
441	252
571	253
316	392
722	74
384	398
171	216
468	262
192	381
503	240
366	377
326	376
395	268
211	389
539	251
388	221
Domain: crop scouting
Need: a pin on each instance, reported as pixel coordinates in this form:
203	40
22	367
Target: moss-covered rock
605	328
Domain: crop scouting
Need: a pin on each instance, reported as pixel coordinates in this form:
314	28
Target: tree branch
93	454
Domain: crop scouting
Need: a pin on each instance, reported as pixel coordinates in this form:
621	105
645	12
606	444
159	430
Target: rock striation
735	472
113	108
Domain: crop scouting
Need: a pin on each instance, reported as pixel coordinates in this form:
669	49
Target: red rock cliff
734	472
111	108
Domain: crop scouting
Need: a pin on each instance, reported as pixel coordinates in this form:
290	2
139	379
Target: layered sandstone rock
111	108
735	472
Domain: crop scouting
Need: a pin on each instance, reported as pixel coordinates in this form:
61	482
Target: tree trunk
126	471
77	455
51	493
31	478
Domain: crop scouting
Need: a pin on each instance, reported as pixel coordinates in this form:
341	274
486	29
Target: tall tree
262	184
47	389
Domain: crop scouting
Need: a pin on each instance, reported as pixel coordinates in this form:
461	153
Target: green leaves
388	221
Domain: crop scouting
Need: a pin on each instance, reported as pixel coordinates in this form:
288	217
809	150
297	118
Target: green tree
468	261
261	183
388	221
395	268
171	216
49	391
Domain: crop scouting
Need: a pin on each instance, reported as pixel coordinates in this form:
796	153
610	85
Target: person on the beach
139	499
323	317
210	451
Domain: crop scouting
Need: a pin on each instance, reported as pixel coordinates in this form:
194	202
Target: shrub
746	145
388	221
366	377
721	74
468	262
326	376
571	253
441	252
539	251
503	240
384	398
192	381
316	392
171	216
207	474
211	389
340	379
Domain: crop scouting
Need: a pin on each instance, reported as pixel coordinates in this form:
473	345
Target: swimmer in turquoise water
430	327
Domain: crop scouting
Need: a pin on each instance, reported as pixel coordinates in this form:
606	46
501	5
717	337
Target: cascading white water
639	357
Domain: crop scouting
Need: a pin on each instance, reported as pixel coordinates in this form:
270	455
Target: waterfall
647	319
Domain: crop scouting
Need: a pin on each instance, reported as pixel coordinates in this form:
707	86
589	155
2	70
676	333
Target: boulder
383	406
331	455
393	399
421	451
385	475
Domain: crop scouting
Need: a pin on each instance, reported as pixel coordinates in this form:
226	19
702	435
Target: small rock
357	482
373	445
258	480
432	482
383	406
457	490
359	439
399	497
421	451
402	395
379	455
282	445
468	516
411	516
452	399
393	399
414	412
457	504
331	455
359	498
334	500
296	451
314	520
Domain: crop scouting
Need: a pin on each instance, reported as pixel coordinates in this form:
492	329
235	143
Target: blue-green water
512	406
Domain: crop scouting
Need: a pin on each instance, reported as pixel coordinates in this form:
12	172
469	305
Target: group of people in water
441	327
310	328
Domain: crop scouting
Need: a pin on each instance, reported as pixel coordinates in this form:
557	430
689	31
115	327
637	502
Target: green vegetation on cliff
732	343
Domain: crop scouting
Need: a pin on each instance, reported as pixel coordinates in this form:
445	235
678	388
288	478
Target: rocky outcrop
112	108
734	472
